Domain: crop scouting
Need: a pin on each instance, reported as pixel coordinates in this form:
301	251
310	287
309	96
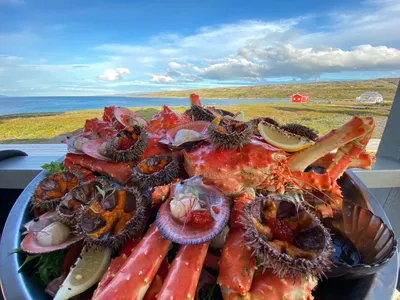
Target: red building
298	98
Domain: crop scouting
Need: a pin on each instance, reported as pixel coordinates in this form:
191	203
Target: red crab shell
165	120
104	129
158	127
232	170
121	172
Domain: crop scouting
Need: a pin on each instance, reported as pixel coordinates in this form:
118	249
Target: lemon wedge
239	116
88	270
282	139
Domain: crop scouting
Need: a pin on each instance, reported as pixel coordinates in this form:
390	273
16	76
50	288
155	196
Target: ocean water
16	105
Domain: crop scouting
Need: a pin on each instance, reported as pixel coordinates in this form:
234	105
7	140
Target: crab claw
195	99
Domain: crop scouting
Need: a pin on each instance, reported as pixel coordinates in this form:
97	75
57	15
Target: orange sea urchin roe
128	138
64	185
221	129
53	194
115	219
239	127
73	204
146	169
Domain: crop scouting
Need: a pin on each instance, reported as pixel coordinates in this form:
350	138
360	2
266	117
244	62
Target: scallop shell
199	127
30	245
91	148
181	233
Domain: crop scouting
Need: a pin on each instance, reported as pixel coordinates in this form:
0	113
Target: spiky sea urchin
81	195
51	189
286	237
127	145
224	112
199	113
117	216
256	121
155	170
301	130
230	136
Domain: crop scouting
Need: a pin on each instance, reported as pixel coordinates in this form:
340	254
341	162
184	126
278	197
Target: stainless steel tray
18	286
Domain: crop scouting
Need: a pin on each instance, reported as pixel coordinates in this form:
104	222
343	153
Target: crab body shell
256	165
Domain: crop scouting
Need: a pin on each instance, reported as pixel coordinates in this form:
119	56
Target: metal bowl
370	242
380	285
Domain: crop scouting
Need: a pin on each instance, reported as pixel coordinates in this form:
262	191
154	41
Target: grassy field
344	90
53	127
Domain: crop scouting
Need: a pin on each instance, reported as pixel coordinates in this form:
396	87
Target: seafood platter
201	205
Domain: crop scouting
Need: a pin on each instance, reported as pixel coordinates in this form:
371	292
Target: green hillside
344	90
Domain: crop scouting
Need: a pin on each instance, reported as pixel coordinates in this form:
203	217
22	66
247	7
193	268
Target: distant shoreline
338	103
327	90
47	127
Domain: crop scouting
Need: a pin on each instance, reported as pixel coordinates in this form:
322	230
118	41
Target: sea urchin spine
301	130
229	134
51	189
120	215
127	145
155	170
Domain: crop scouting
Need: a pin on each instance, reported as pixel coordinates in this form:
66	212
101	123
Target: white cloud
207	43
9	59
114	74
161	78
351	42
174	65
255	64
361	39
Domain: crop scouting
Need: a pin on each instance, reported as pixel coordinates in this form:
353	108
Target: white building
370	97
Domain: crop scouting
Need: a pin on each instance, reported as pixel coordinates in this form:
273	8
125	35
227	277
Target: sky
75	47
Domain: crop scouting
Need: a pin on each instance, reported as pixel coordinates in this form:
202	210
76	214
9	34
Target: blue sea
17	105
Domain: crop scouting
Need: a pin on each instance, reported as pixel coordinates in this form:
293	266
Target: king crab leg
121	172
69	165
348	152
115	265
363	161
134	278
185	270
357	132
195	99
268	286
157	282
237	265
